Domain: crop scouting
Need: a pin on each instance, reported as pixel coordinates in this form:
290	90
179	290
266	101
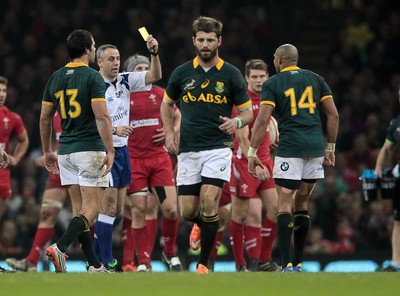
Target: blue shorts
121	170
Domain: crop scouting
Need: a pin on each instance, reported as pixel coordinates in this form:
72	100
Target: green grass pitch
191	284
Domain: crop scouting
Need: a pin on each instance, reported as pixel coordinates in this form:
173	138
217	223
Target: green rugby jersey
296	95
72	89
204	96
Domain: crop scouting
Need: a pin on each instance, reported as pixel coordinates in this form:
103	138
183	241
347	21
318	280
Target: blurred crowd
362	69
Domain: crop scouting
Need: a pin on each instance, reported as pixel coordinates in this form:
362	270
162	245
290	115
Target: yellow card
144	33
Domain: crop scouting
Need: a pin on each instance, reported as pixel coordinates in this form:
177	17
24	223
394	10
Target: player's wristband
154	53
252	152
330	147
239	123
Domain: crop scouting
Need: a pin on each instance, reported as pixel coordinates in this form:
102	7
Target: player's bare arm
167	117
332	126
155	73
385	154
159	138
104	126
258	133
20	148
46	117
123	131
230	125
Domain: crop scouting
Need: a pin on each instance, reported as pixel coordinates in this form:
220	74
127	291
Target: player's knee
49	214
239	216
208	206
138	212
50	210
170	213
188	213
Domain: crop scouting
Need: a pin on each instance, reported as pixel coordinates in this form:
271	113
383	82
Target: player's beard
206	57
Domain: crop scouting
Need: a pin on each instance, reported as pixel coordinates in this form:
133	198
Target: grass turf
191	284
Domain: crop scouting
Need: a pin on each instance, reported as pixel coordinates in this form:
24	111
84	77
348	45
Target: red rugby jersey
10	124
145	118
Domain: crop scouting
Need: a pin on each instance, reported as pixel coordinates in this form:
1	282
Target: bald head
288	52
286	55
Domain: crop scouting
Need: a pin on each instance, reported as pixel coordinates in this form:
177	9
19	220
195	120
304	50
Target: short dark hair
3	80
255	64
77	43
208	25
102	49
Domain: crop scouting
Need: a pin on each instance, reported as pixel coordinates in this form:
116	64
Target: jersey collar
290	68
218	65
73	65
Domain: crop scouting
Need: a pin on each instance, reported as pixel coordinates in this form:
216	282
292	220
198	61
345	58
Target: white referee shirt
118	100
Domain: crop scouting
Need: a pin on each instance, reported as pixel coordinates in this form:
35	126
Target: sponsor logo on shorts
223	168
87	175
284	166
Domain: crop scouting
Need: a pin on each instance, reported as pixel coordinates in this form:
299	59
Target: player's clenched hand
228	126
171	142
50	162
152	44
124	131
108	162
39	162
329	158
256	169
262	173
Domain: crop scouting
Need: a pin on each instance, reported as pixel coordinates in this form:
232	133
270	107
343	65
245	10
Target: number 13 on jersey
74	107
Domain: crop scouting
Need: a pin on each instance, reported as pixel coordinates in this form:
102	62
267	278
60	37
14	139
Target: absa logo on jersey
206	98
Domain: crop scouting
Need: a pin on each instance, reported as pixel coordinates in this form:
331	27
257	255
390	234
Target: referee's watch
114	130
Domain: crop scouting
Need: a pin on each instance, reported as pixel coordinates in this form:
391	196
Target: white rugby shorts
298	168
215	164
83	168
